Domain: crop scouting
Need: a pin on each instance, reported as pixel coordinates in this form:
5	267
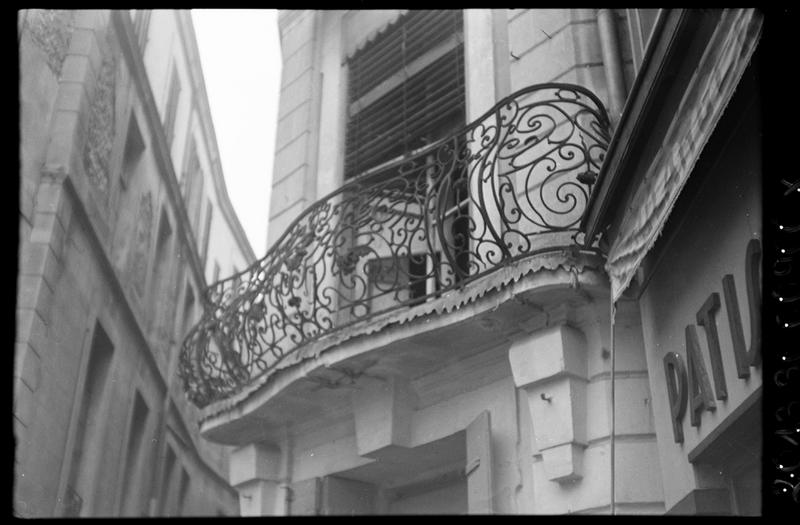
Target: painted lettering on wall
691	385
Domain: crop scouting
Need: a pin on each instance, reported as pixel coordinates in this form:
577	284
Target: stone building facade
124	219
440	326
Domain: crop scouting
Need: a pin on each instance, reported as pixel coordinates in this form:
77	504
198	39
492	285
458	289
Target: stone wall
87	242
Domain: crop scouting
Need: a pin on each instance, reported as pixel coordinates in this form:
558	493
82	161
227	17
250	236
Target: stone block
48	231
633	412
72	96
288	191
383	411
31	328
23	403
298	33
39	260
294	94
291	157
558	412
49	195
27	366
258	498
292	125
642	479
528	28
68	130
91	19
83	42
563	463
547	354
254	462
547	60
296	64
33	293
77	69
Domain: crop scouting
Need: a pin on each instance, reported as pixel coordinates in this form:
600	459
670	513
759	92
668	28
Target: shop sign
689	384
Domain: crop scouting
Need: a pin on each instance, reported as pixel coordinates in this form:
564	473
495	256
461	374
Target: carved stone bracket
100	130
50	30
551	367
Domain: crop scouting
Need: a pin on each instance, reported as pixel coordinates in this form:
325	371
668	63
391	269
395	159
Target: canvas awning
710	89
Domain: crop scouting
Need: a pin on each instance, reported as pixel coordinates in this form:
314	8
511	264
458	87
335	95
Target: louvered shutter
406	89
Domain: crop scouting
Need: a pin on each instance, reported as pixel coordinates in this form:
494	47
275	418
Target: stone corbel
254	473
550	365
383	411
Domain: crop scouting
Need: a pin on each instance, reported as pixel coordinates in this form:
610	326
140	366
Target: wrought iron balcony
512	184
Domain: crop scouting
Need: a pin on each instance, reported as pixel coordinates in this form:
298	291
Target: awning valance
709	91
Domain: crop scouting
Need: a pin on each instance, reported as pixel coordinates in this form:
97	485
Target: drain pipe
613	406
612	62
286	471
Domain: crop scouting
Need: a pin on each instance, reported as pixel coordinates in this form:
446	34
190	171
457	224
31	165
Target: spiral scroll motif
512	184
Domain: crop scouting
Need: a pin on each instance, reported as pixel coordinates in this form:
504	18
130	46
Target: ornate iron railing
512	184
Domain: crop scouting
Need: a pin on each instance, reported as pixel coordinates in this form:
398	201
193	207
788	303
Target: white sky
240	54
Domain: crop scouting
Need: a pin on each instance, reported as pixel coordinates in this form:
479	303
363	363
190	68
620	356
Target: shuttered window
171	108
406	89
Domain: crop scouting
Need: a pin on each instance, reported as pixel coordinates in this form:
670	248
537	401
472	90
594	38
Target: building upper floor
438	246
116	130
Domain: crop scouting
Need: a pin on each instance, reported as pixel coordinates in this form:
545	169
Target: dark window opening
167	490
188	308
192	188
89	426
134	488
216	272
207	230
171	108
417	276
416	272
406	89
194	208
184	491
191	168
134	147
163	305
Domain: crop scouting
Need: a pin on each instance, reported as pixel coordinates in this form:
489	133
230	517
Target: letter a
700	395
676	390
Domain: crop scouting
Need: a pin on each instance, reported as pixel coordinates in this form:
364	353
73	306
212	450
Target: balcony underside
315	388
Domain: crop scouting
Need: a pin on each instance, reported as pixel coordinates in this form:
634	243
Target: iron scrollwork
512	184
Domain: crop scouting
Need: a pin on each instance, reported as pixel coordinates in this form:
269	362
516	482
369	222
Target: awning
709	91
